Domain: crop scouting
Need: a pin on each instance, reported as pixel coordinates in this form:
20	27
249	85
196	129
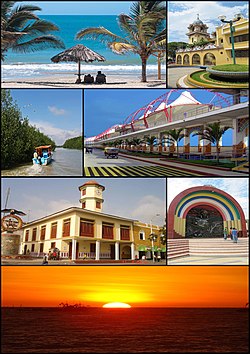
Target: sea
134	330
38	63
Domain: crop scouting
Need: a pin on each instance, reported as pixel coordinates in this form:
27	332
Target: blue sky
183	13
236	187
135	198
104	108
82	7
57	113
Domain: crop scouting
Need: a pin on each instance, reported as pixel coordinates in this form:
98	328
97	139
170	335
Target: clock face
98	192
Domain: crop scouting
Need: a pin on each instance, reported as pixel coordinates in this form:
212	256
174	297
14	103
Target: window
53	245
83	192
33	247
84	205
53	230
241	53
66	227
43	232
98	205
142	235
125	232
34	234
221	40
87	228
107	231
27	232
240	38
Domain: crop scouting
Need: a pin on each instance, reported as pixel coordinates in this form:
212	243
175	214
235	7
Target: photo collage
124	176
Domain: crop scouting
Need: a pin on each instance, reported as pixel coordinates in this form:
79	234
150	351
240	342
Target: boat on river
42	155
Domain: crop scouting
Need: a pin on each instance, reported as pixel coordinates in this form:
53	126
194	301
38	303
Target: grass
205	162
196	162
207	76
231	67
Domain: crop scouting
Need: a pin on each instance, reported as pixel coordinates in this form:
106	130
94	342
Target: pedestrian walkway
137	171
209	260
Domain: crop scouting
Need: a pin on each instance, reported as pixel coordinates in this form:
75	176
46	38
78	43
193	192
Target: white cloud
57	134
236	187
38	207
147	208
182	16
57	111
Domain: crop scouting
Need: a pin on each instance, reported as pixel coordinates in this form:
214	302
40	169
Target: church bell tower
91	196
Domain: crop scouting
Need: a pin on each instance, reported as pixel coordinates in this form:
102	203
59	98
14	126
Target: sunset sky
168	286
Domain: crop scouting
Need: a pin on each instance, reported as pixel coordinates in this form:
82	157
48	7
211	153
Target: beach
68	81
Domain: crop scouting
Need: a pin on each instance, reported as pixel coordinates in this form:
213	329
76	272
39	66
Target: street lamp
152	236
232	30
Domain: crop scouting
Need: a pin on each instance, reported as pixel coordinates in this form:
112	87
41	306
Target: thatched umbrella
77	54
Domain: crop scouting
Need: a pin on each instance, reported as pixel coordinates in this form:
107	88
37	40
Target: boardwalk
136	171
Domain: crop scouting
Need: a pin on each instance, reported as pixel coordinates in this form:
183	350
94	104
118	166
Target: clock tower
91	196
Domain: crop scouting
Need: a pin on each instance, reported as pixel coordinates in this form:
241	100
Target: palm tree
175	136
213	133
151	140
23	31
143	28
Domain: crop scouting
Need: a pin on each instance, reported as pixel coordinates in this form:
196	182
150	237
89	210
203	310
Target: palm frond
121	48
97	33
40	26
39	43
17	20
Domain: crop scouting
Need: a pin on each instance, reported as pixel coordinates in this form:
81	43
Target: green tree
213	132
18	138
74	143
23	31
174	136
143	28
173	46
151	141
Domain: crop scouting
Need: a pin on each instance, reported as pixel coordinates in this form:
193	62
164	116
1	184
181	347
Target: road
96	164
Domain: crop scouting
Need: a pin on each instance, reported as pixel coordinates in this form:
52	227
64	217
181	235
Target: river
66	162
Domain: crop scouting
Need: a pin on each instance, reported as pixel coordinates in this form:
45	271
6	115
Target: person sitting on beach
100	78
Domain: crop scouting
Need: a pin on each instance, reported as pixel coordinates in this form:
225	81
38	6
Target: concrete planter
230	75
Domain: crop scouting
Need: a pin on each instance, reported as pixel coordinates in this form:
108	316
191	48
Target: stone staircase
205	247
177	248
218	247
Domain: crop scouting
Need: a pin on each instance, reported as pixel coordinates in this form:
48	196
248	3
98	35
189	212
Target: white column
132	251
97	250
117	251
73	249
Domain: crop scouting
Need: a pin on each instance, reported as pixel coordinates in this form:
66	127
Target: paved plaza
175	73
209	260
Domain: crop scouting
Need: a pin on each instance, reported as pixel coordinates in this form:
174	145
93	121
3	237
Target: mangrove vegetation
18	137
74	143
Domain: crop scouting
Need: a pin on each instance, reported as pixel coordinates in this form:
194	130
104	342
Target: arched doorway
25	249
209	59
186	59
196	59
178	59
204	221
126	252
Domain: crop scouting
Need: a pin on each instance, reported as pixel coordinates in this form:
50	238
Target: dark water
66	162
98	330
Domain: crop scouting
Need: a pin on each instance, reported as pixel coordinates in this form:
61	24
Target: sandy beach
68	81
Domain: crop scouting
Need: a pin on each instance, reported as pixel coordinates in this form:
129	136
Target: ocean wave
22	70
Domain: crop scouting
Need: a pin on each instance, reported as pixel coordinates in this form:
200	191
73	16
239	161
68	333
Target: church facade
218	47
87	233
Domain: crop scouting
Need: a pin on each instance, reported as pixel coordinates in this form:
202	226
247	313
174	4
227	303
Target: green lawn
231	67
207	76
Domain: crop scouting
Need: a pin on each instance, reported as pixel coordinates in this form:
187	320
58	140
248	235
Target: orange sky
156	286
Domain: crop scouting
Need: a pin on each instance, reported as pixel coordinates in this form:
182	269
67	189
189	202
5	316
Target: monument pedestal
10	244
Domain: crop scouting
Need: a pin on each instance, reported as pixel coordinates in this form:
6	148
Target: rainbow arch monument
204	212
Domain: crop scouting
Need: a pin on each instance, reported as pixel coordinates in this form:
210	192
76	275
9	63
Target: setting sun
117	305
